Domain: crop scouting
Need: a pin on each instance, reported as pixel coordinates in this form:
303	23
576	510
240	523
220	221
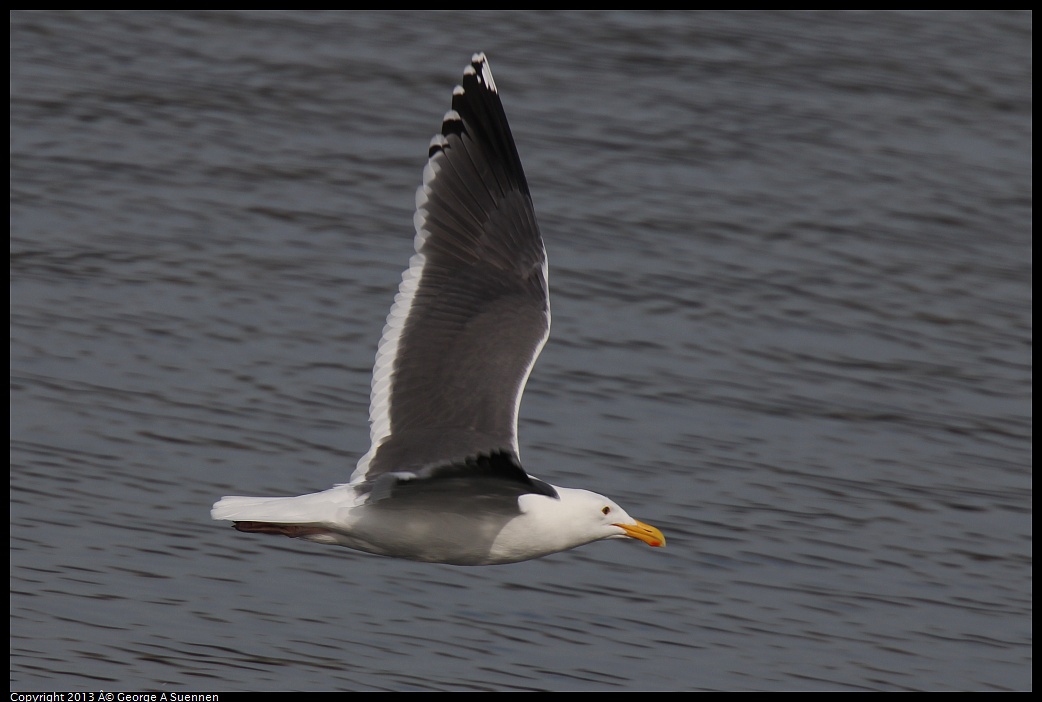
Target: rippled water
790	261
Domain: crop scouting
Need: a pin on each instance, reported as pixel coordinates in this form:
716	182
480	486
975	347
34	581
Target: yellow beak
644	532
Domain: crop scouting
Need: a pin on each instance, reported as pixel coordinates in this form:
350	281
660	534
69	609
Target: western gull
442	481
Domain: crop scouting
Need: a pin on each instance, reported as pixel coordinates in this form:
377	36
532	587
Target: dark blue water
790	261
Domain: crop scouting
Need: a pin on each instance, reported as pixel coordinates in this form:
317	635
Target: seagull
442	481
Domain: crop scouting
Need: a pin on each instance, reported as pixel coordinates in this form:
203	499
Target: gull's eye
605	509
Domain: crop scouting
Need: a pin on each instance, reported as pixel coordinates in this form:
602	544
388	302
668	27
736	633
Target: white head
576	517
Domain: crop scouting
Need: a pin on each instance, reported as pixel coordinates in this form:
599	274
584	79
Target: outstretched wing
472	312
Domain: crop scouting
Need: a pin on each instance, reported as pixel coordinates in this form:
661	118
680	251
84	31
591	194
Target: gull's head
614	522
577	517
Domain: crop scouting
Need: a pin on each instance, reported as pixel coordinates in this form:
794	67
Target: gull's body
442	481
